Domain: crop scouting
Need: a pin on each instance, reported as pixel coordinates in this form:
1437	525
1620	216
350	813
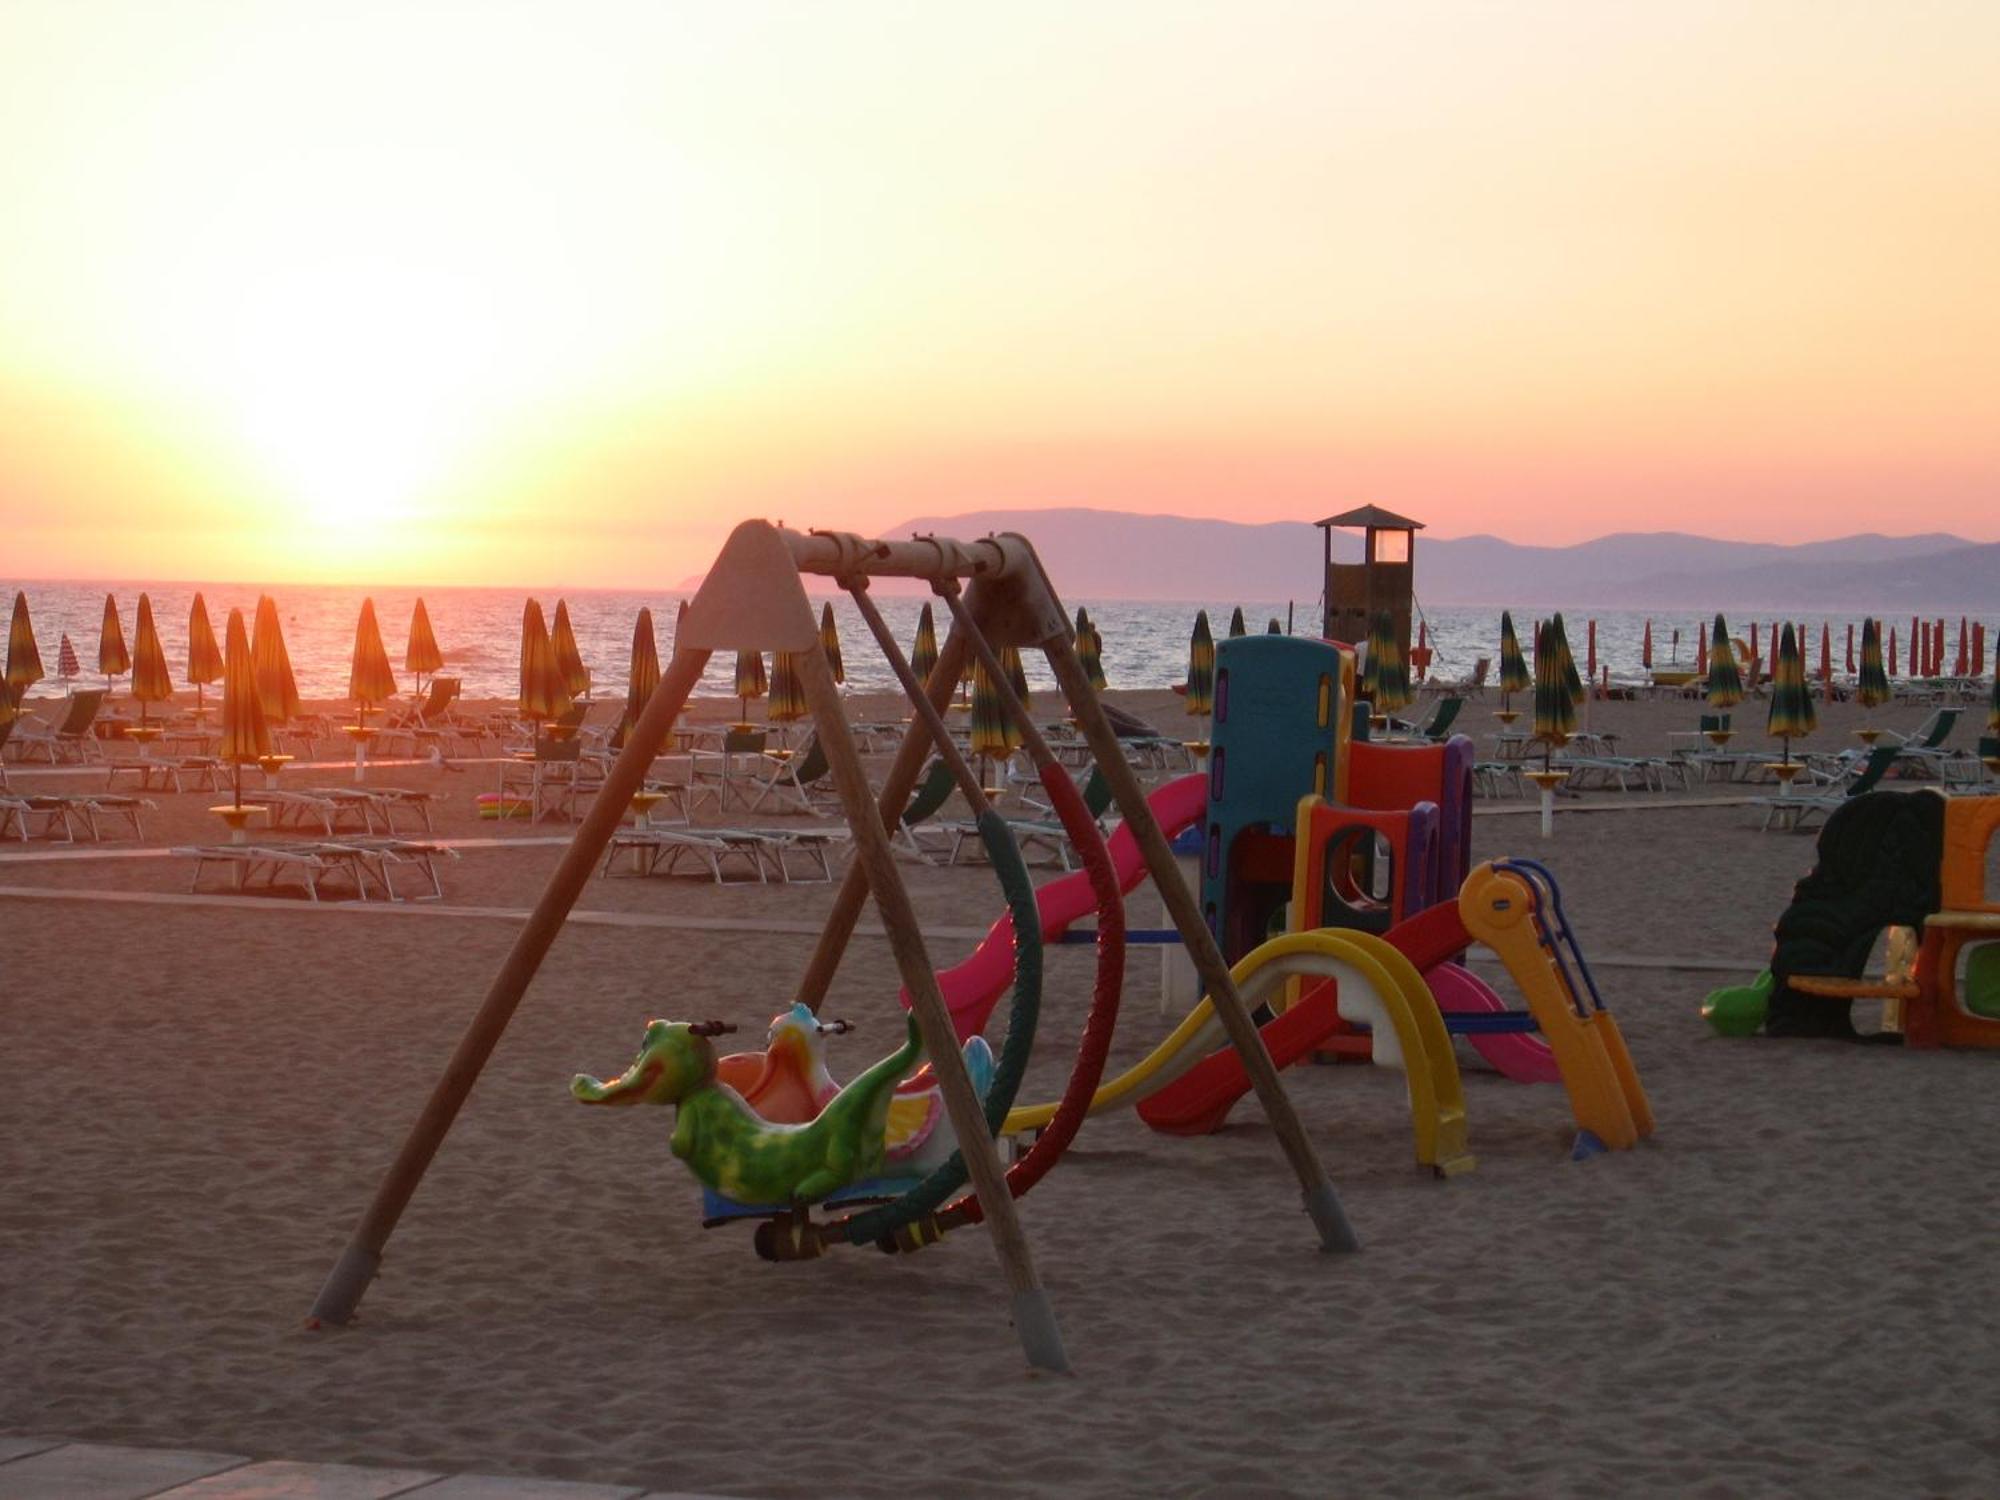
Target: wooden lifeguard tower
1384	579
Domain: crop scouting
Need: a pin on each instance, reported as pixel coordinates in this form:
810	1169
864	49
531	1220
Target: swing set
997	595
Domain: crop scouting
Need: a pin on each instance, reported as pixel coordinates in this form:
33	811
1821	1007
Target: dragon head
676	1059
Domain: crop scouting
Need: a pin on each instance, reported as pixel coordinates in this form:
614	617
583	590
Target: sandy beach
1784	1292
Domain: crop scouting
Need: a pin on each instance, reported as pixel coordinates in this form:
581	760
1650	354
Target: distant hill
1113	555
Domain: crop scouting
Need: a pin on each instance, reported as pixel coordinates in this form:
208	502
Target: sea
479	632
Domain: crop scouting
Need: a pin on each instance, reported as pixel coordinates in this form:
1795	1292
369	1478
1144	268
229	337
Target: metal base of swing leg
1041	1340
1336	1234
345	1284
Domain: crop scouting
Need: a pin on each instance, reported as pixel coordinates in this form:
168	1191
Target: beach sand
1785	1292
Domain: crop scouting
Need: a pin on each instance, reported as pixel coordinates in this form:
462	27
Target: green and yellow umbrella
422	654
1273	627
750	679
1993	708
1871	688
1236	625
24	658
788	693
569	661
10	706
370	680
1388	673
204	656
271	667
1555	708
924	654
1514	676
829	642
1724	687
151	681
1201	668
246	738
544	694
112	658
1792	715
644	677
1089	650
994	735
1017	672
1572	679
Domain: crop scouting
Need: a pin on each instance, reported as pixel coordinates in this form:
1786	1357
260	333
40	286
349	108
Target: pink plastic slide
1520	1055
974	987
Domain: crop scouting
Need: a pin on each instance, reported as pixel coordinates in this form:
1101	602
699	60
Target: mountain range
1098	554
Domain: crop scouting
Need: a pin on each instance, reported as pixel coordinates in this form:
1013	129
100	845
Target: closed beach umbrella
422	654
1555	706
1017	673
1993	708
829	642
750	679
204	656
1850	648
24	659
1646	647
1964	644
1893	671
788	694
271	666
1826	661
67	665
1572	680
1792	713
1590	652
1236	625
1725	684
1273	627
10	706
1089	650
246	738
1872	688
544	695
151	681
1756	653
1514	676
1701	655
112	657
569	661
370	679
924	654
994	735
1201	668
645	674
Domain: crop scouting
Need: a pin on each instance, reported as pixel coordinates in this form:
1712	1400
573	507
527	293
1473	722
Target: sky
490	293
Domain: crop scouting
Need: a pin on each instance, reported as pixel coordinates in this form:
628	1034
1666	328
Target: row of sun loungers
363	864
36	815
759	854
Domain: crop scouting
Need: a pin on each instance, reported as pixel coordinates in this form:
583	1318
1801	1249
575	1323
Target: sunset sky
525	294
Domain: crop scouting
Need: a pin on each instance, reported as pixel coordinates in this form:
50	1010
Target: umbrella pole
348	1281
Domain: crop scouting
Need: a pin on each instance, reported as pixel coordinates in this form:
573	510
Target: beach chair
918	820
1435	728
72	737
9	717
1471	685
1924	747
715	774
554	777
1795	812
800	780
424	722
1046	834
659	851
1493	779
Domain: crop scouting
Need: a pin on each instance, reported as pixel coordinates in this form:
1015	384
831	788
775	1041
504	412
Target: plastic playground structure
1908	867
1359	852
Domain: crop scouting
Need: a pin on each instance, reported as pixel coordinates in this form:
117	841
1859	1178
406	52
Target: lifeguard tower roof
1372	515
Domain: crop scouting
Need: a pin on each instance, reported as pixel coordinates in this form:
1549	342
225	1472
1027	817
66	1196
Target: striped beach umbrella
750	679
788	693
1555	703
112	658
24	658
1392	681
1514	676
370	680
271	666
1017	673
1236	625
422	654
644	676
1792	715
246	738
1572	679
1872	686
544	695
1201	668
204	656
1993	706
994	735
151	681
924	654
569	661
1089	650
68	667
1724	686
10	706
829	642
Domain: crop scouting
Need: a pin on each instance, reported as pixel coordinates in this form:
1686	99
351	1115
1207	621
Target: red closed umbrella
1850	648
1826	661
1646	648
1892	651
1964	641
1701	653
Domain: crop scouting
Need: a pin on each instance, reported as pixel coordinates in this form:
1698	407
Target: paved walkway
51	1469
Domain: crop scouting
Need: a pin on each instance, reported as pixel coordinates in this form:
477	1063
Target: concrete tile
511	1487
99	1471
12	1448
283	1479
